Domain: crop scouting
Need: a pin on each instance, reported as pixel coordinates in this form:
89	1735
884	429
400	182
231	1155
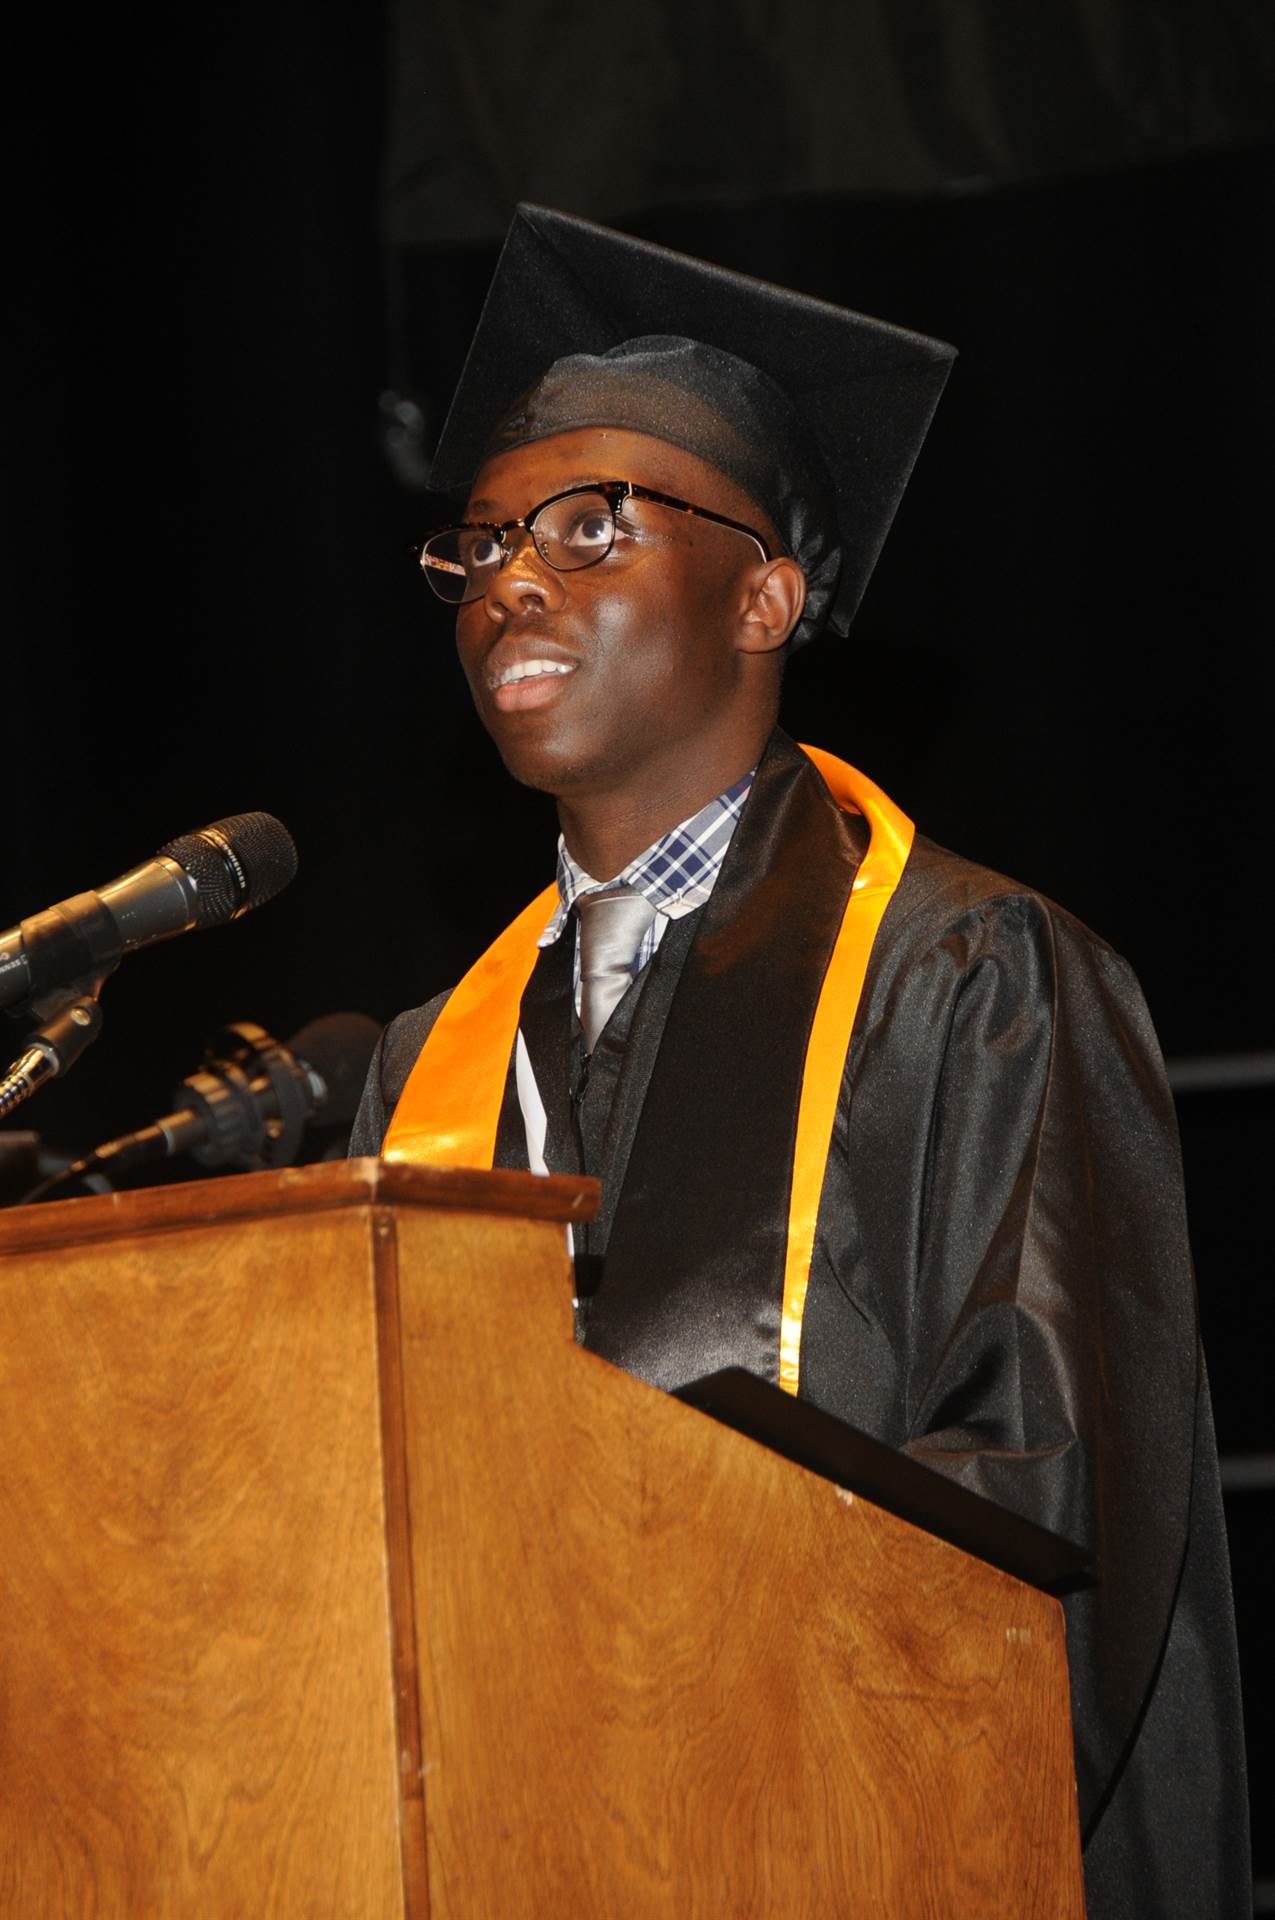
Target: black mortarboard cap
833	405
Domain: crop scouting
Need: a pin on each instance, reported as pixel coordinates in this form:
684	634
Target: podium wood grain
665	1672
191	1658
202	1684
336	1580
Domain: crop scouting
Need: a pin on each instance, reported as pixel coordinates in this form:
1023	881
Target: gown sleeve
395	1056
1005	1219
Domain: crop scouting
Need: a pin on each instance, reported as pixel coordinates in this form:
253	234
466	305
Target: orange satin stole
450	1107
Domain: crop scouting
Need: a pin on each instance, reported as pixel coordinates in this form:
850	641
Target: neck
605	831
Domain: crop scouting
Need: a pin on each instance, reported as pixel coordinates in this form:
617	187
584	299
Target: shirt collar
675	874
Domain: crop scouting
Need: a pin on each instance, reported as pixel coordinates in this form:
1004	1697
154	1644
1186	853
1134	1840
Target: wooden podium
336	1580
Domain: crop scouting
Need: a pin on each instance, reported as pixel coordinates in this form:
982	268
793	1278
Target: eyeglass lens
573	532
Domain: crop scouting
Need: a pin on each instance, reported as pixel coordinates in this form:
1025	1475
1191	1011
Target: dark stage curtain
601	112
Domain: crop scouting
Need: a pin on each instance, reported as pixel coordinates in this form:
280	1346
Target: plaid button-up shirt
675	875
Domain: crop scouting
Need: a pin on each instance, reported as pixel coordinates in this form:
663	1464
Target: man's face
655	681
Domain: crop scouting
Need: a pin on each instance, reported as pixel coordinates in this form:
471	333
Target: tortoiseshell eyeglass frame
614	492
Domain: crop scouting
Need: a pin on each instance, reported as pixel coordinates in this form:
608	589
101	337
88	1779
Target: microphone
252	1100
198	880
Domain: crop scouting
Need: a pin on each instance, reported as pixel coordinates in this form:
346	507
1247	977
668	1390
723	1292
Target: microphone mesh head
235	864
339	1048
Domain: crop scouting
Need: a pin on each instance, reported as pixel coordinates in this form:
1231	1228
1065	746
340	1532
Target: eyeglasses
571	530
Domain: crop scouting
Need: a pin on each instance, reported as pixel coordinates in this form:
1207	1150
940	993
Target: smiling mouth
527	670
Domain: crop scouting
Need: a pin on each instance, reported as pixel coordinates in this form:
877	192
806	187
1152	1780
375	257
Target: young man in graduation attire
872	1122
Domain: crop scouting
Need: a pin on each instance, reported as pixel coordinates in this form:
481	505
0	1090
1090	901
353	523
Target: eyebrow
585	480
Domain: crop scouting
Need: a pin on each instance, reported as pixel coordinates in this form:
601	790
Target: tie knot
613	922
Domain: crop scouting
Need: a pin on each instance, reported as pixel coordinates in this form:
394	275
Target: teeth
529	669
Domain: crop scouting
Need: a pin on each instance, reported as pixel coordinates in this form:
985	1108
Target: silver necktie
612	923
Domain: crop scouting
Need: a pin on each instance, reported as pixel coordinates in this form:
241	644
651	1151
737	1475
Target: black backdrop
1061	667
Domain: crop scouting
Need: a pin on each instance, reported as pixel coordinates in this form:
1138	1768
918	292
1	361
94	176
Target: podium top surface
334	1184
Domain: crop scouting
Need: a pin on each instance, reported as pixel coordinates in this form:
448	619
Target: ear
776	594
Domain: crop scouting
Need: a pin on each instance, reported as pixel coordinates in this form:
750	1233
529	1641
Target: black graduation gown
1001	1282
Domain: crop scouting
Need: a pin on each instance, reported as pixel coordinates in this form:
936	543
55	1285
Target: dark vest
593	1102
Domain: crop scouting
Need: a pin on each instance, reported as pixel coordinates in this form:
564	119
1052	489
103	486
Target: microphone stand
70	1021
249	1106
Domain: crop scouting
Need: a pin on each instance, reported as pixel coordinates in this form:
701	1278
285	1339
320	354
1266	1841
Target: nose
525	584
